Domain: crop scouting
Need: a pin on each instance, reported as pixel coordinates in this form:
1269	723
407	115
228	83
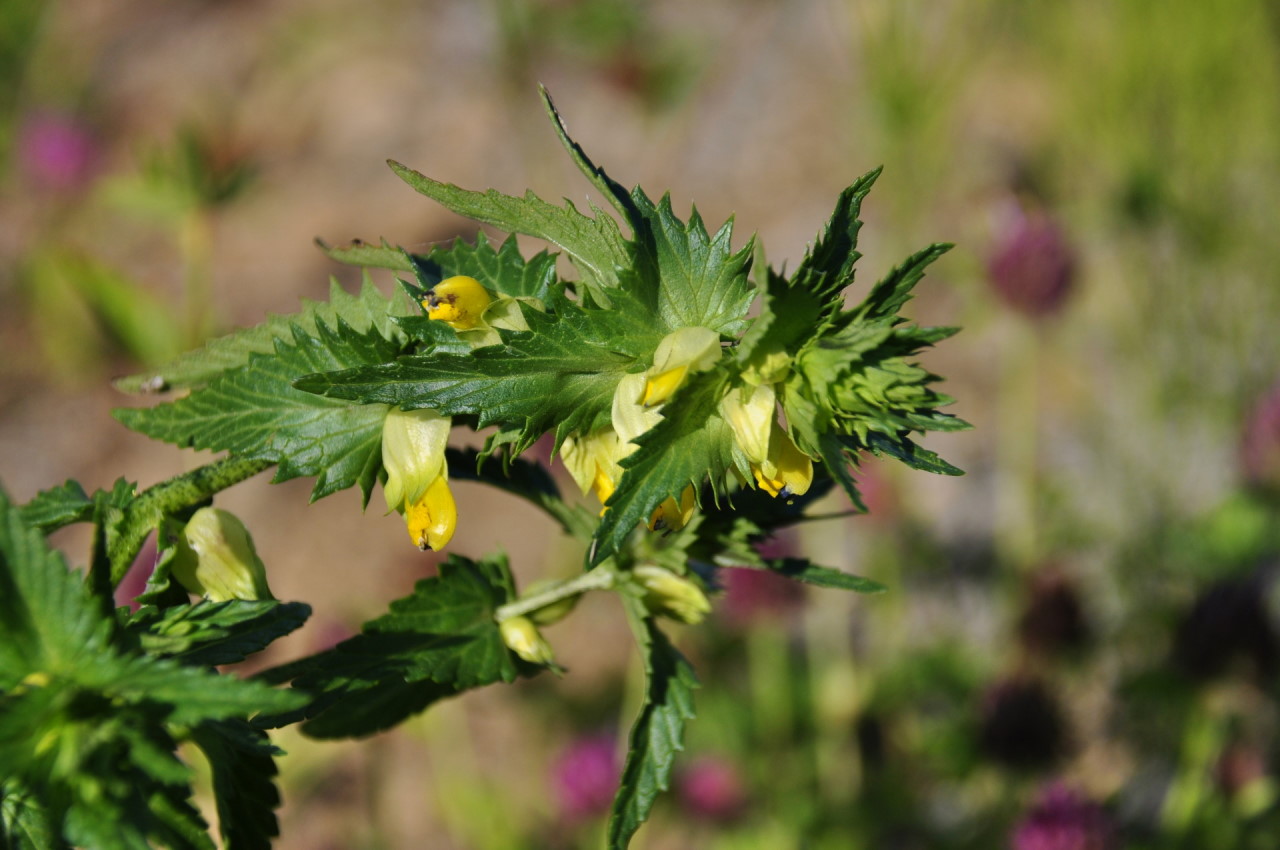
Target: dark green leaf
801	570
690	445
911	454
24	822
439	640
254	412
369	313
889	295
242	761
504	270
656	736
209	634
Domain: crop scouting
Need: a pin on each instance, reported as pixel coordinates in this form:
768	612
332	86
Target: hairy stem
167	497
600	578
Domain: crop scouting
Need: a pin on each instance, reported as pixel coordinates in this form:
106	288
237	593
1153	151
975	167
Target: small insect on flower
459	301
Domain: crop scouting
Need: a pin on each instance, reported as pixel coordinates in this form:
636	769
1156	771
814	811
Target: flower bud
681	352
593	461
523	638
459	301
673	595
787	471
751	413
216	558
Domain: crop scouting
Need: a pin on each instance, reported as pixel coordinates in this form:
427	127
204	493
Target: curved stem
598	579
125	538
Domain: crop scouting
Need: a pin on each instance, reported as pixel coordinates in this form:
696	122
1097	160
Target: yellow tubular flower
413	444
593	461
680	353
216	558
787	471
750	412
523	638
630	417
670	516
460	301
432	519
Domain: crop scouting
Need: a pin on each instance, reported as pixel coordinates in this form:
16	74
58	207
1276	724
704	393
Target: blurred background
1079	648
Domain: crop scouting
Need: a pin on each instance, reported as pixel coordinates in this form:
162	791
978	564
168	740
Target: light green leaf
254	412
656	737
369	311
593	242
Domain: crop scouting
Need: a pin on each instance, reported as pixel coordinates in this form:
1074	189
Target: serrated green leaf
209	634
242	761
889	295
504	270
436	642
594	243
254	412
911	454
48	622
193	694
24	821
690	445
561	373
58	506
369	312
701	282
528	480
801	570
656	737
360	253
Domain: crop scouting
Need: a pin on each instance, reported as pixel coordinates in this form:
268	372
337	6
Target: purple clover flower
1032	268
1260	443
56	151
1064	820
585	777
711	788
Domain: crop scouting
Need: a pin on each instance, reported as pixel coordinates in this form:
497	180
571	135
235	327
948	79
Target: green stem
179	493
600	578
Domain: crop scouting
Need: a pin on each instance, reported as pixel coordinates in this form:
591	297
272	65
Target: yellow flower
778	466
460	301
413	444
523	638
679	354
593	461
787	471
673	595
216	558
672	515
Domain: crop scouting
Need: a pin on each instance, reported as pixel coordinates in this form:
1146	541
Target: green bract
704	397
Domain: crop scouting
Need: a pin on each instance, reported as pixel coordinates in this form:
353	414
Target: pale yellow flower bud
523	638
216	558
673	595
460	301
679	354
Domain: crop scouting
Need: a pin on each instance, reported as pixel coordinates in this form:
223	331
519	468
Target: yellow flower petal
630	417
431	520
751	413
460	301
673	595
788	471
673	516
413	444
679	354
